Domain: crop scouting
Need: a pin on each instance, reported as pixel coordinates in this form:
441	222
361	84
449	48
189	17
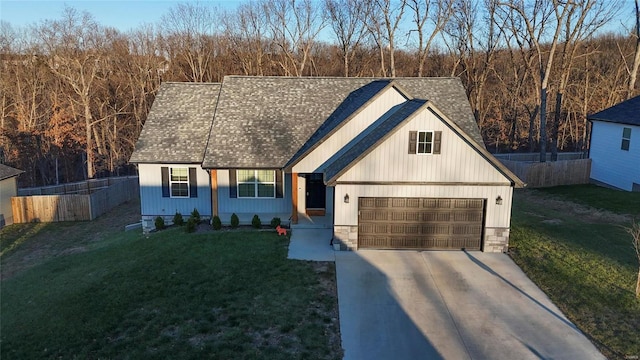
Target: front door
316	195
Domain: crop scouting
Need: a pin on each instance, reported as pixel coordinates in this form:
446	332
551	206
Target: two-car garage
420	223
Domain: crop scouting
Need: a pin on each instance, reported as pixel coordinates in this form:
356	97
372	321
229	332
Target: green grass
584	261
224	295
617	201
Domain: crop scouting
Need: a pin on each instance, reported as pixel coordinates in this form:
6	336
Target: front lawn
222	295
583	259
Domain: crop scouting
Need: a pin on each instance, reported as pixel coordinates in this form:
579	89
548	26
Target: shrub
216	224
191	225
235	221
255	222
195	215
159	223
275	222
177	219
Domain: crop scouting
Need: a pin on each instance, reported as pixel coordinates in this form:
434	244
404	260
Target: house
614	147
8	189
386	163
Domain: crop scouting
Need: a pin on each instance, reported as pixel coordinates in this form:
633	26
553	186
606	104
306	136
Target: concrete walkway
311	244
448	305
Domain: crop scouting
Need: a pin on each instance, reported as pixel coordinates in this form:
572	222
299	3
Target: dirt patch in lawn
585	213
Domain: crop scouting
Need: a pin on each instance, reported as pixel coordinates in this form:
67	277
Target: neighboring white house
615	145
386	163
8	189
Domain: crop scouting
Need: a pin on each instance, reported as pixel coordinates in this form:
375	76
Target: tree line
74	93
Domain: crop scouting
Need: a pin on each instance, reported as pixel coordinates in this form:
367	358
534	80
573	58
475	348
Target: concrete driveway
448	305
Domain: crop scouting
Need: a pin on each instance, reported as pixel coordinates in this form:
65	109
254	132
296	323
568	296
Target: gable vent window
626	139
179	182
425	142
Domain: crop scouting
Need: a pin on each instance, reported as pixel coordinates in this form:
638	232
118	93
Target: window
179	182
626	139
256	183
425	142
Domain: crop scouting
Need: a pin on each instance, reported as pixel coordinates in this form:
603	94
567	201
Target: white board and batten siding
457	162
265	208
609	163
8	189
152	203
311	163
459	171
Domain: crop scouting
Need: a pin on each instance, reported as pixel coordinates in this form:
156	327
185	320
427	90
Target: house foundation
346	236
496	239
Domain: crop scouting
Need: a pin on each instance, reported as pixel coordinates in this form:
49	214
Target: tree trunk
636	59
555	125
543	124
88	119
638	285
532	120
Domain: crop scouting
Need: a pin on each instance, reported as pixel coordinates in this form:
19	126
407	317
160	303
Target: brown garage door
420	223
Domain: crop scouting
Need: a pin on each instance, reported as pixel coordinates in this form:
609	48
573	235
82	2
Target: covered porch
312	202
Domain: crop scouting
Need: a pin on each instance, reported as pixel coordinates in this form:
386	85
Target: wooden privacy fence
547	174
75	207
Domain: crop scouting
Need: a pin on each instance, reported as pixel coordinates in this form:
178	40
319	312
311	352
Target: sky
123	15
128	15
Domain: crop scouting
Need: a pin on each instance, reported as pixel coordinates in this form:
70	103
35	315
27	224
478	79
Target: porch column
214	192
294	198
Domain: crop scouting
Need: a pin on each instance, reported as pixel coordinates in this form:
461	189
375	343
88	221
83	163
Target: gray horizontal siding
251	206
153	204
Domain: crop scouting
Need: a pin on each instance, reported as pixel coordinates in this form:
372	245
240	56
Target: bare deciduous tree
633	73
345	20
434	12
294	26
582	20
383	22
188	31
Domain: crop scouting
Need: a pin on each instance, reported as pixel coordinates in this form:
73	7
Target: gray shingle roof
178	125
354	101
376	133
626	112
263	121
7	172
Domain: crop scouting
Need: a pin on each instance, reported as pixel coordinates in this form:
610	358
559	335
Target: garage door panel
420	223
381	215
466	230
366	215
400	216
473	216
364	228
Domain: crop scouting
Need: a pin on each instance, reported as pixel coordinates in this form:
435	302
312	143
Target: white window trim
418	141
626	138
171	182
256	183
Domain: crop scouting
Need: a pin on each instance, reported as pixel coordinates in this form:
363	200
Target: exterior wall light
346	199
499	200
